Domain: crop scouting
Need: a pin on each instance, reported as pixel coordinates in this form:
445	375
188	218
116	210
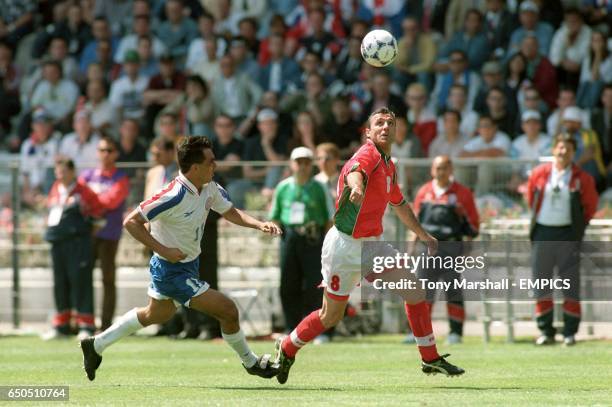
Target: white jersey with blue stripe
177	213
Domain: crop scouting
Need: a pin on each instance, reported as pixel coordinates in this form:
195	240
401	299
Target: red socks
419	319
306	331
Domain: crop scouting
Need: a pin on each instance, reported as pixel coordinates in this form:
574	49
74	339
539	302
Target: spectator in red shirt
421	121
540	71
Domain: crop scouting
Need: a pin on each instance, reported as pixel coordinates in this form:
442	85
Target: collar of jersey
382	153
187	184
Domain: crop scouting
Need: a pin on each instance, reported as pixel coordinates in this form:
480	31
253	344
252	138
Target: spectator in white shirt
37	157
197	48
81	146
566	98
208	68
490	142
533	143
141	26
57	95
102	112
126	92
570	46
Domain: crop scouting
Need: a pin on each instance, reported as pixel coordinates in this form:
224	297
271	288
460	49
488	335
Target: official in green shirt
304	210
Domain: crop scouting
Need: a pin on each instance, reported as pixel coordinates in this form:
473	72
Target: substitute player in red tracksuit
563	200
446	210
69	228
367	184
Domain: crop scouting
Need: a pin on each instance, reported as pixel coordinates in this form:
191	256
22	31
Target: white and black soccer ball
379	48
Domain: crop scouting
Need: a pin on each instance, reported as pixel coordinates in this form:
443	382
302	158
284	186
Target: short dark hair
487	117
381	110
191	151
566	138
163	144
66	163
453	111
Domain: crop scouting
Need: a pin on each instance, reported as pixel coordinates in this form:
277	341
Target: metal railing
495	182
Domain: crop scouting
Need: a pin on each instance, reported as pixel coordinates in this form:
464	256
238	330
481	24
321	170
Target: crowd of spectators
477	78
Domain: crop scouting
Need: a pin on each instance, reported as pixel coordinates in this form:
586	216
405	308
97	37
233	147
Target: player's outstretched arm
355	182
241	218
404	212
134	223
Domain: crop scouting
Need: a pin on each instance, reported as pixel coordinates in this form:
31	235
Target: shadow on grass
249	388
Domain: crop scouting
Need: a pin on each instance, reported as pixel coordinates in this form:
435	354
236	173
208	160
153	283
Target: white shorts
341	262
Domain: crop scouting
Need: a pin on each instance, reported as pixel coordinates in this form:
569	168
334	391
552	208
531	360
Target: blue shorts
177	281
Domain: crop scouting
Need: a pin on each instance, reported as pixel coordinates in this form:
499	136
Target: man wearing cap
492	77
530	24
533	143
563	200
588	150
269	145
126	92
36	156
303	209
81	146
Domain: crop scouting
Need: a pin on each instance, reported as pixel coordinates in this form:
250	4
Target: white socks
240	346
126	325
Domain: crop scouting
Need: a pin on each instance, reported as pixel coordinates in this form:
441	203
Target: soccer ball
379	48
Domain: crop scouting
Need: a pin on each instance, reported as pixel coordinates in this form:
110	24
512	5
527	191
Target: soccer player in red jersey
367	183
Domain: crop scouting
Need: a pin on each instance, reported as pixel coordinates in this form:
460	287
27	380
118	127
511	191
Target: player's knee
230	313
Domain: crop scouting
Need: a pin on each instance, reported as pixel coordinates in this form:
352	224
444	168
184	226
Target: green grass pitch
366	371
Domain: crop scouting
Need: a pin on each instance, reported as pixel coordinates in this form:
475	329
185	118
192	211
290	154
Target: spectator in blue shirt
177	31
471	40
529	19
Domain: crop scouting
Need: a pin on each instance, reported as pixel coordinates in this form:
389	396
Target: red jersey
380	189
449	216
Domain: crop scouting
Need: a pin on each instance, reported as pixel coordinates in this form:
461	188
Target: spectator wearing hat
566	99
112	187
163	88
570	46
269	145
126	93
563	200
71	204
81	146
56	94
540	72
530	25
141	26
303	209
533	143
235	93
177	31
37	156
280	74
588	152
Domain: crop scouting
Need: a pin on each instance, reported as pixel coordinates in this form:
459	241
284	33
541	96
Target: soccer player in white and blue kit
177	214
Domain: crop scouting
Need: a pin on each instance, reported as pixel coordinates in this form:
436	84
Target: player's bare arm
134	223
355	182
406	215
241	218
